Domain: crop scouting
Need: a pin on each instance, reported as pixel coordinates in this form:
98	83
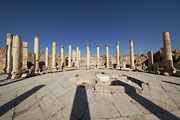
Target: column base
15	74
54	69
117	67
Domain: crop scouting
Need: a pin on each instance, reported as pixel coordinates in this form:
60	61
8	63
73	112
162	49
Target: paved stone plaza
54	97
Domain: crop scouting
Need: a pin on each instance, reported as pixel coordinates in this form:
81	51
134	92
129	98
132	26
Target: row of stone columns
16	56
167	54
117	55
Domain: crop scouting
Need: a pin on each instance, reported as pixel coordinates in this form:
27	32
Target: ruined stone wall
2	59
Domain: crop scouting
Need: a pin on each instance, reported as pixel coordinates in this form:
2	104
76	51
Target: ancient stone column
168	54
98	57
47	57
9	52
73	57
69	57
16	57
88	55
117	56
150	60
54	56
131	54
77	56
107	55
24	54
62	56
36	52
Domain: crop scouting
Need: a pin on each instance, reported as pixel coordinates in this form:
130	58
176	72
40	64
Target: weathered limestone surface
16	48
117	56
24	54
73	57
33	98
69	57
150	60
47	57
2	59
54	56
88	56
9	53
77	57
131	54
36	52
167	52
107	55
62	56
98	64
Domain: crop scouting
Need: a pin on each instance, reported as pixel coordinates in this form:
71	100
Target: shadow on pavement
170	82
80	109
150	106
16	101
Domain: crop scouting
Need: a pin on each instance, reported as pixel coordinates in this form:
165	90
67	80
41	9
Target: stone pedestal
54	68
107	55
24	54
150	61
47	58
9	53
131	54
88	56
98	57
117	56
168	54
62	56
16	72
36	52
69	57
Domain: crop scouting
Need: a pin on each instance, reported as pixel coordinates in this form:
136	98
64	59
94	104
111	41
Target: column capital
117	43
9	35
165	32
107	45
87	44
25	44
36	37
97	45
131	40
62	46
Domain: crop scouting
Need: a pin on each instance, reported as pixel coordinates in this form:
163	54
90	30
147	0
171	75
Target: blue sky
78	22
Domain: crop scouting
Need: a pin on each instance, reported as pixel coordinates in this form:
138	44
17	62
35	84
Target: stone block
103	78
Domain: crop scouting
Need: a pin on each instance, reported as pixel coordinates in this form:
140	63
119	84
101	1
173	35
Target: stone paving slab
54	97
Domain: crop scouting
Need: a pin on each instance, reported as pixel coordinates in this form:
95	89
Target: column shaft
16	54
69	57
107	55
24	54
168	54
62	56
117	55
36	52
47	57
97	46
77	56
9	53
150	60
131	54
54	55
88	55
